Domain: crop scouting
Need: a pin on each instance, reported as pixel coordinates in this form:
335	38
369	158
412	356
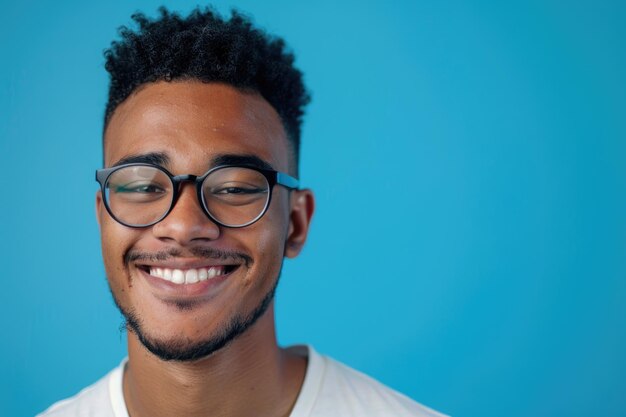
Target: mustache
134	255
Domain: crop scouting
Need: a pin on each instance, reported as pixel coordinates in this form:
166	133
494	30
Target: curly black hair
204	46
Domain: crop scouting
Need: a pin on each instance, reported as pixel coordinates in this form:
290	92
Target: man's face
189	126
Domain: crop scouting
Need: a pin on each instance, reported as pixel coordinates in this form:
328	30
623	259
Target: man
198	205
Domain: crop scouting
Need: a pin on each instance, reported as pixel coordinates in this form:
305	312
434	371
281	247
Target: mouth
177	282
186	276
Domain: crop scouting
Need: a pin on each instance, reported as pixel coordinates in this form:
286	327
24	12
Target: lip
182	263
169	291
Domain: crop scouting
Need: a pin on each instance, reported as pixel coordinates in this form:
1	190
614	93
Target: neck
249	376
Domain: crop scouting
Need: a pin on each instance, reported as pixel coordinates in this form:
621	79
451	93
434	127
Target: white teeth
191	276
188	276
178	276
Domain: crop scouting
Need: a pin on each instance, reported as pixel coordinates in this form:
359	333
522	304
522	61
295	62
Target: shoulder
94	400
343	391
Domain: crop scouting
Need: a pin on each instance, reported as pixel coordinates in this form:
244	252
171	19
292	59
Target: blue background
469	247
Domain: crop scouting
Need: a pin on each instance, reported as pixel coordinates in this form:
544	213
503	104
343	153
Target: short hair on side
205	46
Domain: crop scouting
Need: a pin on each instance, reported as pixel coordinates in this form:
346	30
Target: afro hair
206	47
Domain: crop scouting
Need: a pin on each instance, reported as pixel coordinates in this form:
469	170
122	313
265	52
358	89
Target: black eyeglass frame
273	178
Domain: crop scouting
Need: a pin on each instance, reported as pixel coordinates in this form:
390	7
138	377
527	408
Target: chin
182	348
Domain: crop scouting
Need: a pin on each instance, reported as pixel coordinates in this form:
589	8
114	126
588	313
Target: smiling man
198	205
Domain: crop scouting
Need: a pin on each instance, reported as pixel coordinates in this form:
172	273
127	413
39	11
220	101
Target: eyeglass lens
142	195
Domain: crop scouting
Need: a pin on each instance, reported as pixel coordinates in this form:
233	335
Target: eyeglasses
141	195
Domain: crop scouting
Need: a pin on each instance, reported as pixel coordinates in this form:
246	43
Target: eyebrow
161	159
153	158
237	159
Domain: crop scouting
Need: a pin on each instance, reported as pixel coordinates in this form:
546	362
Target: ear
302	207
99	207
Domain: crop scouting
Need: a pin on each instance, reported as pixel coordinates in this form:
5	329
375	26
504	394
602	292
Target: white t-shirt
330	389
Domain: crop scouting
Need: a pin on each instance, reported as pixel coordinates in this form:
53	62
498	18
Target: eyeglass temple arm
287	180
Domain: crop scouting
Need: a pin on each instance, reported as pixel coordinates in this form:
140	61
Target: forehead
191	122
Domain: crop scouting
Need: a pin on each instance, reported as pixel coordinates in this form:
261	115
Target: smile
190	275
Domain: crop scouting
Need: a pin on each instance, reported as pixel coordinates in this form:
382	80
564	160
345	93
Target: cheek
268	243
114	240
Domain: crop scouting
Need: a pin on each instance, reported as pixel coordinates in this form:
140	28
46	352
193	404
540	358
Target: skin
192	122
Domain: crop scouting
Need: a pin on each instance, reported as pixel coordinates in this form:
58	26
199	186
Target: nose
187	221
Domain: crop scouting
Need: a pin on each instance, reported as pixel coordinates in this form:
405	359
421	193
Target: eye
237	190
140	188
236	194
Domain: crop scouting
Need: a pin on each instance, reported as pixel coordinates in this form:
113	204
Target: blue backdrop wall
469	247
